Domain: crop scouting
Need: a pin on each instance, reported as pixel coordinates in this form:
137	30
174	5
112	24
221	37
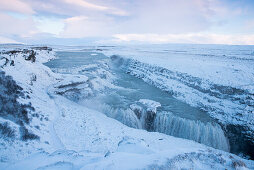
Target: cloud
16	26
5	40
194	38
169	16
85	4
144	20
249	24
51	25
71	8
83	26
16	6
145	16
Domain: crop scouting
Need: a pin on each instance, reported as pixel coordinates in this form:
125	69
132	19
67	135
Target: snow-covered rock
145	111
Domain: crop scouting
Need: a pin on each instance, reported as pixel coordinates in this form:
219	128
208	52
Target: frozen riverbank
73	136
218	79
124	90
215	78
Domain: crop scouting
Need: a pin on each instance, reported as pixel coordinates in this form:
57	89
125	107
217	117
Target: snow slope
75	137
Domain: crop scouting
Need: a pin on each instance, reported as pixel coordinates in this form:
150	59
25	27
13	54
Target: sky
77	22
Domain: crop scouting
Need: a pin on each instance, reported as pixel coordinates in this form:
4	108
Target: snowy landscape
127	107
127	84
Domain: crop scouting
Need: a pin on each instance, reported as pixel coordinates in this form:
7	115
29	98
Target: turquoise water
173	117
132	89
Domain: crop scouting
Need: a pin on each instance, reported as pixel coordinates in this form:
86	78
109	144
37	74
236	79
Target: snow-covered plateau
105	108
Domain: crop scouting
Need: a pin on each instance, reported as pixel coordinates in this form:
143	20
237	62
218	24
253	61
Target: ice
74	136
128	96
206	133
150	104
223	101
145	111
144	115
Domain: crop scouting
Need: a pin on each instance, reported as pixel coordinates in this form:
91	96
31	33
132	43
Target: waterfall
126	116
142	116
208	133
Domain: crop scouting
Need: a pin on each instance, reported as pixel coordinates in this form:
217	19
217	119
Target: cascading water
140	116
208	133
126	116
126	103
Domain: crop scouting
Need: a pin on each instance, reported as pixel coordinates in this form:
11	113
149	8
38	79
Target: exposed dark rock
11	109
240	141
12	63
144	114
71	85
138	112
31	56
6	131
6	61
149	119
26	135
42	48
12	52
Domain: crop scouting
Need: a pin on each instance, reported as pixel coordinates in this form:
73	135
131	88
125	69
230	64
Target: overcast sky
127	21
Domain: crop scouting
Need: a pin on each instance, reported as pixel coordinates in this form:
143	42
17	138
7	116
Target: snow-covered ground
72	136
216	78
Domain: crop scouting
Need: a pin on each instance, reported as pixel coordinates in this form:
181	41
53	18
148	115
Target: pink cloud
85	4
16	6
4	40
14	26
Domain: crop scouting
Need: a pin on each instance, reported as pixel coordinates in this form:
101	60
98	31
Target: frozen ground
72	136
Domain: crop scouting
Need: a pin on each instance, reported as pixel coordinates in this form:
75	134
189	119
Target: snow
218	79
224	65
75	137
152	105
